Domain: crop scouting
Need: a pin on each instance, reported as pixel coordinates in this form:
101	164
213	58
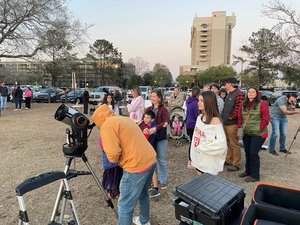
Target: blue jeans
161	155
279	127
134	187
18	103
3	101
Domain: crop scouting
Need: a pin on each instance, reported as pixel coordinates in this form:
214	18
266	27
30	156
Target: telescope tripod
64	193
288	151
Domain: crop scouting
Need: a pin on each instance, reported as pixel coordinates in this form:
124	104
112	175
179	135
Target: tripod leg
107	199
68	196
60	190
288	151
23	217
57	201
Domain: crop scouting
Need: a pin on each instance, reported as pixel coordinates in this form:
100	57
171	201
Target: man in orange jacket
124	142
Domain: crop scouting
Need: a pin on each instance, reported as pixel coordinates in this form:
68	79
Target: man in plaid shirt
232	104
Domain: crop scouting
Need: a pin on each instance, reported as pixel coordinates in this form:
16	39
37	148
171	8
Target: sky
159	30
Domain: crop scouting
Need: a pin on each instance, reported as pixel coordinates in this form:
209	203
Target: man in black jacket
3	96
233	103
85	100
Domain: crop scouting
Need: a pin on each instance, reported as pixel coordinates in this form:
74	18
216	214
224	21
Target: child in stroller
177	125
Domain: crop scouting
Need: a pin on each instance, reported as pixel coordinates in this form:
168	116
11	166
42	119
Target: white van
146	91
97	96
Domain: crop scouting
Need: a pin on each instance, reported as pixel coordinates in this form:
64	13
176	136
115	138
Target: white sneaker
136	221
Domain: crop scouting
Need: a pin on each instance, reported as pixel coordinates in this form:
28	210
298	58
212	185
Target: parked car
97	96
278	94
73	97
146	91
266	95
55	94
35	92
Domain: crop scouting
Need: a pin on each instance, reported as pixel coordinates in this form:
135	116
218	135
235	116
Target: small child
177	125
148	123
111	176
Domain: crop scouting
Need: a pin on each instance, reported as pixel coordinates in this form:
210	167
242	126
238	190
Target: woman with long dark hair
209	147
254	119
162	119
109	100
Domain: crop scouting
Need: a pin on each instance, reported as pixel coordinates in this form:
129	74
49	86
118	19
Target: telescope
77	138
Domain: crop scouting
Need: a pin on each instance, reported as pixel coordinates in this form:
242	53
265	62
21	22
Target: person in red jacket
253	118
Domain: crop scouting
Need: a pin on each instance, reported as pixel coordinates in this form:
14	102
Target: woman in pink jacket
137	106
28	94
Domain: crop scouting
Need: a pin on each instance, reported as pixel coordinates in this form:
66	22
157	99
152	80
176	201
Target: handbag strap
247	117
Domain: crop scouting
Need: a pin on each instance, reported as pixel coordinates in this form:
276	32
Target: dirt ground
30	144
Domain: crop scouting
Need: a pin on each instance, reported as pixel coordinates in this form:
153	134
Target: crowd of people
214	119
135	163
16	97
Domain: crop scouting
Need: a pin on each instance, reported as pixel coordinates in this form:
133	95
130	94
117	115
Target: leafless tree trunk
25	26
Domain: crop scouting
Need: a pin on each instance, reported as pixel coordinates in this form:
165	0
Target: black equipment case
274	204
266	214
277	195
208	200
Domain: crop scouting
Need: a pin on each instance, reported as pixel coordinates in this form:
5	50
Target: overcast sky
159	30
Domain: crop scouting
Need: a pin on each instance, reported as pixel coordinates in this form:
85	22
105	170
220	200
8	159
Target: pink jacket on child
136	108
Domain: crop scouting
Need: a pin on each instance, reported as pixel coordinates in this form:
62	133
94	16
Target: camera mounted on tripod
77	138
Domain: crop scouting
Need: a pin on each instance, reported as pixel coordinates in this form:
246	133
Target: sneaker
243	174
163	186
232	168
251	179
226	164
136	221
285	151
154	193
273	152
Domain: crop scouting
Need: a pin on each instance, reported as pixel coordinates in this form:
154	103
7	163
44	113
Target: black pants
190	132
85	107
252	146
27	102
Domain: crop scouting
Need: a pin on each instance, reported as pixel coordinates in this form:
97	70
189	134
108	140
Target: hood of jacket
191	99
101	114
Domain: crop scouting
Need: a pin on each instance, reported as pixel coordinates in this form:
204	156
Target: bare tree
288	22
26	25
141	66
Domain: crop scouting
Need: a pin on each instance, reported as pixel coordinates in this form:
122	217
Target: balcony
203	54
202	29
203	44
203	39
203	35
202	60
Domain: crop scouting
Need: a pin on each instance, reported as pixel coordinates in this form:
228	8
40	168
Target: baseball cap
232	80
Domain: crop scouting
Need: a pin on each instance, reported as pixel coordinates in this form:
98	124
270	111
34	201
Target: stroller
177	129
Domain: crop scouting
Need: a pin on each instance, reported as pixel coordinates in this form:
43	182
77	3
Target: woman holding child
162	119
